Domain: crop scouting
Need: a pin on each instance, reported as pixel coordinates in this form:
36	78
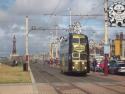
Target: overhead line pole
106	46
26	64
57	47
106	22
70	18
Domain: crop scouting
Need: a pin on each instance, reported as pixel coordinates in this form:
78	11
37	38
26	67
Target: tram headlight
85	68
83	63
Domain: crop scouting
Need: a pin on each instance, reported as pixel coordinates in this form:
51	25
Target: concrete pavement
117	87
43	88
16	89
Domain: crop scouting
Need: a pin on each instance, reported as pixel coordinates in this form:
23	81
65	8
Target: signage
116	14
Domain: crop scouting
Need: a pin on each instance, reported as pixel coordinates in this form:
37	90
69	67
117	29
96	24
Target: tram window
82	40
83	56
75	58
75	40
75	55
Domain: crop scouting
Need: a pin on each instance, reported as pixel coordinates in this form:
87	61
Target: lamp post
26	64
106	45
57	47
51	51
94	41
51	54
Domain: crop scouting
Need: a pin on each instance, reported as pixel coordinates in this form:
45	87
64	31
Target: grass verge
16	74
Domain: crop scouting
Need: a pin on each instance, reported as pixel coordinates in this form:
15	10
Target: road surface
49	80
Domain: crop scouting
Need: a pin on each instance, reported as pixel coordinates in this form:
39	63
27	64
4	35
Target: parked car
112	62
117	68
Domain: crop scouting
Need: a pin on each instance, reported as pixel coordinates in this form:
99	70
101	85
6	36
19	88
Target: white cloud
3	15
87	6
14	26
2	33
37	6
34	7
13	20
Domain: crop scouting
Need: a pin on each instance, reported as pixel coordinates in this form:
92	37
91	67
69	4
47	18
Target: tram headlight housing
83	63
76	63
85	68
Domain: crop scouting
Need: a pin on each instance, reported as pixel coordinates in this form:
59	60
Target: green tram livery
74	54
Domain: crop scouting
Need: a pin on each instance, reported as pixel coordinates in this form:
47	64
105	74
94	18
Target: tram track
57	80
46	80
109	88
62	80
94	81
104	86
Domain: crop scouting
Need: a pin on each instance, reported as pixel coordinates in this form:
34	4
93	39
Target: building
123	49
118	46
14	55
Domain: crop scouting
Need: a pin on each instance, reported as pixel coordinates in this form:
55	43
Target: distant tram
74	54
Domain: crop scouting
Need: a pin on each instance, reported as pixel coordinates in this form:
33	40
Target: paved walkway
16	89
45	88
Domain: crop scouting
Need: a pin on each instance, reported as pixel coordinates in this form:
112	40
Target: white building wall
123	49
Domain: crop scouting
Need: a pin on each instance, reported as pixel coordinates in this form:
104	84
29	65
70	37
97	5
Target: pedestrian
16	63
94	64
106	66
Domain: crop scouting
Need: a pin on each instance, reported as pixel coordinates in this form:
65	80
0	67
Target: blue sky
12	21
5	4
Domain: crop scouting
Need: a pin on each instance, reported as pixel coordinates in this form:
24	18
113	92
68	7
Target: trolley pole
26	64
106	45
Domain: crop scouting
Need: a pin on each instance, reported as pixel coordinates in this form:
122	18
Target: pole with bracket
106	45
26	64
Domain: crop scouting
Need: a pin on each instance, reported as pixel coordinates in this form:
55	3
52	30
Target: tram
74	54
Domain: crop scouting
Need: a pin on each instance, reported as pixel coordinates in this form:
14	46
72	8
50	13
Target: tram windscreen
82	41
75	40
83	56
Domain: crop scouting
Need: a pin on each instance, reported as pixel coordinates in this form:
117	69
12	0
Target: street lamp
26	64
106	44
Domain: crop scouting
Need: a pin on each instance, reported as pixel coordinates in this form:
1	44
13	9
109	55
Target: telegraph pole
26	64
106	22
70	17
106	45
51	51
